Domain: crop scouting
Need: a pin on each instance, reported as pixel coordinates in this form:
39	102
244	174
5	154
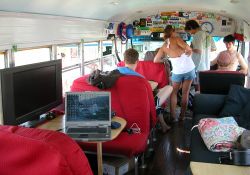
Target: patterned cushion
219	134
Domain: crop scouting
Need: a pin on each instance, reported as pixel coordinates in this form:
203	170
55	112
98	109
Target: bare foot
181	117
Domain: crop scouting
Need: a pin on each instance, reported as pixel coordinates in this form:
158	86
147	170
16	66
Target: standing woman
183	72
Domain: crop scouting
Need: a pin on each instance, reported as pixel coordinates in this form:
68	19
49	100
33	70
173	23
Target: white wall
29	30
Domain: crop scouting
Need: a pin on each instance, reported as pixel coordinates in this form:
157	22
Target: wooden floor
165	159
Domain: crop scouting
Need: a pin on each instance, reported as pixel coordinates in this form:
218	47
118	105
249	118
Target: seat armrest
210	104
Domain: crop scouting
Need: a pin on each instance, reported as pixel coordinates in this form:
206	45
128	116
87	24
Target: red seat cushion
34	151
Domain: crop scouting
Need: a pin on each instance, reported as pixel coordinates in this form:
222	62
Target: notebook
88	116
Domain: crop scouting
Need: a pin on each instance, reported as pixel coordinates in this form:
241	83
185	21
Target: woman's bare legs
185	95
173	98
163	94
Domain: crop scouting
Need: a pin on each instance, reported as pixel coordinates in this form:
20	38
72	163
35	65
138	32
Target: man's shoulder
127	71
201	34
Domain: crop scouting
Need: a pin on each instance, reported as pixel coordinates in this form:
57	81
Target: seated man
229	59
131	59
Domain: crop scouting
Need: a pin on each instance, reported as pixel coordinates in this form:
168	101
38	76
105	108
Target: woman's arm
158	57
187	49
243	64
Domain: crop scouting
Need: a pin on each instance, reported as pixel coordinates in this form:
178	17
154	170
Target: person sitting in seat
229	59
131	58
150	55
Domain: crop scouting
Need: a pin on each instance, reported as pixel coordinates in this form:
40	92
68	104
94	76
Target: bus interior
61	42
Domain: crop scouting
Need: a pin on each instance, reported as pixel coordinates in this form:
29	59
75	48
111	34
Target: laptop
88	116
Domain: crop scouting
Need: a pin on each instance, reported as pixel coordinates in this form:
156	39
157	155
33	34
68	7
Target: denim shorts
181	77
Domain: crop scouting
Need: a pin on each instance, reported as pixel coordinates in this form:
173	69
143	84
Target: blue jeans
182	77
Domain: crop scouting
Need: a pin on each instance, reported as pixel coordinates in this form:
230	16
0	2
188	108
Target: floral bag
219	134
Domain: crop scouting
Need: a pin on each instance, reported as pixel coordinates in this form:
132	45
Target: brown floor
165	159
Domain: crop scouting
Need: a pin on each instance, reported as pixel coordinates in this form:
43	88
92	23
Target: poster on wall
214	24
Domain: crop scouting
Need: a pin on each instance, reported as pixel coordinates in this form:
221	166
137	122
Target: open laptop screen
88	106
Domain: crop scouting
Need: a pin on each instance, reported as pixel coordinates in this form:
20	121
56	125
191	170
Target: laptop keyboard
87	130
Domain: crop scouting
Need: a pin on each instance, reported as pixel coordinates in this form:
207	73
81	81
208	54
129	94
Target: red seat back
35	151
153	71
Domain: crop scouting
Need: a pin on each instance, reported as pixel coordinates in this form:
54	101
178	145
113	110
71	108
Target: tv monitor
28	91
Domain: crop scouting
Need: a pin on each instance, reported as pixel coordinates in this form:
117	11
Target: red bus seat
153	71
131	99
34	151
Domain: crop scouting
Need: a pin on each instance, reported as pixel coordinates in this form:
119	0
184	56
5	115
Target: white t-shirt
182	64
204	42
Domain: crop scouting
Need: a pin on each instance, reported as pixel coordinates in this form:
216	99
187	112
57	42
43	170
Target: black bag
103	80
240	155
244	140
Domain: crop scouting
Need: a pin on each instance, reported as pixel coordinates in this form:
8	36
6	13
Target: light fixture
114	2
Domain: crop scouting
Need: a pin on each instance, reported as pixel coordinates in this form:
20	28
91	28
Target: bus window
106	48
91	51
155	44
89	67
69	54
30	56
246	51
121	48
68	76
2	66
109	62
220	46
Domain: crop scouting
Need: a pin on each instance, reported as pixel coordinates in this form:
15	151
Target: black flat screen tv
29	91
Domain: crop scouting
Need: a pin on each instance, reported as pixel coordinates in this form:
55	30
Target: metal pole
81	49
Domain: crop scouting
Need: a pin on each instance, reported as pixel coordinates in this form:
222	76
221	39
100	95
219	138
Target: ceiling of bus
43	21
111	9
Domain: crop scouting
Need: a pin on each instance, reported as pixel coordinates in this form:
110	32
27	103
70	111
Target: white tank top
182	64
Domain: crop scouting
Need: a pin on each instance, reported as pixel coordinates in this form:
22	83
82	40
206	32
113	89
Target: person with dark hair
228	39
183	71
202	44
230	59
131	58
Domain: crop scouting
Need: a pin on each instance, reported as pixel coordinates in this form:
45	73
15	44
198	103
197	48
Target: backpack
121	32
129	31
103	80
